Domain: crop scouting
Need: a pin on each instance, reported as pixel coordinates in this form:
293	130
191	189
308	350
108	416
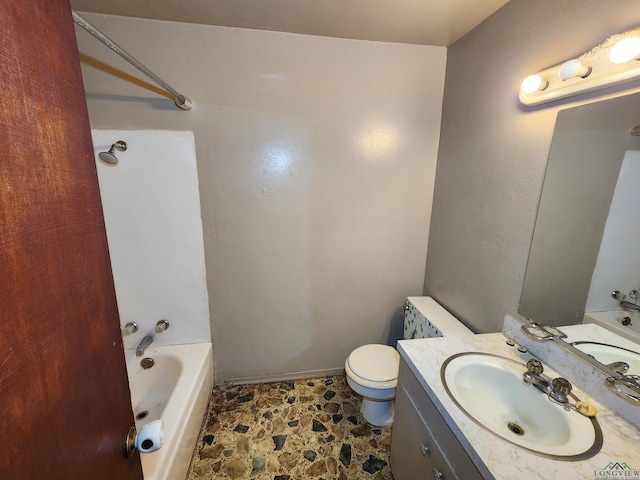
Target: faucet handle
558	391
161	326
561	385
617	295
534	366
129	328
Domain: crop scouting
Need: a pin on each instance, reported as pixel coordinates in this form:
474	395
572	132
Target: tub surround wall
152	216
493	152
618	260
316	162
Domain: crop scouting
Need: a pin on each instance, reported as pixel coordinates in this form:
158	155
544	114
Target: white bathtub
612	320
176	389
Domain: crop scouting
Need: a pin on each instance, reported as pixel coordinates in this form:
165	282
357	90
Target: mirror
587	152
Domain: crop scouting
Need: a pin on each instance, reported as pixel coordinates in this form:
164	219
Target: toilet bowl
372	370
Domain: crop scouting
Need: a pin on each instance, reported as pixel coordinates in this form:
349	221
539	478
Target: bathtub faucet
629	305
142	346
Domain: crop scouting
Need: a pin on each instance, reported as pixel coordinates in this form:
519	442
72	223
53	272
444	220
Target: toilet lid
376	363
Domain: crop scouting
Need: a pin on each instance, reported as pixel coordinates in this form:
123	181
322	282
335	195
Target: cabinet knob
437	474
424	449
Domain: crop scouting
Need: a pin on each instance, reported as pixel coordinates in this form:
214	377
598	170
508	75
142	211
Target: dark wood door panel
64	397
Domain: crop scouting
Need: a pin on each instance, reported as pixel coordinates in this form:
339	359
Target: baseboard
282	377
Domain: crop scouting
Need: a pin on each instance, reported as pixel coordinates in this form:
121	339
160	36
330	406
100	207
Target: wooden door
64	397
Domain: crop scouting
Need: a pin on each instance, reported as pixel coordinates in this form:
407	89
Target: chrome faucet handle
617	295
161	326
633	294
560	389
535	366
129	328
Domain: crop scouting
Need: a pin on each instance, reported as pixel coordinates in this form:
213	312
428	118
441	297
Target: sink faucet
557	389
142	346
533	376
629	305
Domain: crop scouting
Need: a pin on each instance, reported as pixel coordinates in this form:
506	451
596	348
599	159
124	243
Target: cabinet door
414	453
423	445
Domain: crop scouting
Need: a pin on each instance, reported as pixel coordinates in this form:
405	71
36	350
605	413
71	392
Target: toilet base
377	413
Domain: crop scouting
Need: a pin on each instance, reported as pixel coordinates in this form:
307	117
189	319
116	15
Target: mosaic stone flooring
305	429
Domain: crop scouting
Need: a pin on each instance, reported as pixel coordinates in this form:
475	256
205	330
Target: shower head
109	158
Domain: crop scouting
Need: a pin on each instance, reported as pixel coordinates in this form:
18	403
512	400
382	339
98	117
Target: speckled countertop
491	454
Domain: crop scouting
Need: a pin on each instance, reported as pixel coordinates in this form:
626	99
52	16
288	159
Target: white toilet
372	370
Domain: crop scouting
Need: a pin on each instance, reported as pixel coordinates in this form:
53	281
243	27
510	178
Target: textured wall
316	162
493	152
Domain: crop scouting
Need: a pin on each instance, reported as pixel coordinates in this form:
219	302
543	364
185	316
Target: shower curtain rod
180	100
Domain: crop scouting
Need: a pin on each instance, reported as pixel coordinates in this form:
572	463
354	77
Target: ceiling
424	22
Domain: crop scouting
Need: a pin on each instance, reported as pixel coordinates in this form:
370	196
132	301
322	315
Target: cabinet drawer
417	421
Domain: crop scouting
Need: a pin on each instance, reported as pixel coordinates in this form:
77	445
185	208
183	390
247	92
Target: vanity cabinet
422	444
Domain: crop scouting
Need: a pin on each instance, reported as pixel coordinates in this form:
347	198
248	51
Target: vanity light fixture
613	62
533	83
625	50
574	68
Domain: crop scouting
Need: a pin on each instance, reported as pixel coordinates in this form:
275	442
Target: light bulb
533	83
573	68
625	50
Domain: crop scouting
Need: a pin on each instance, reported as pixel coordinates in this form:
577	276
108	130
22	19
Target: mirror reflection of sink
608	354
489	389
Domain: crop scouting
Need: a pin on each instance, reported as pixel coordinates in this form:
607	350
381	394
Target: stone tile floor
303	429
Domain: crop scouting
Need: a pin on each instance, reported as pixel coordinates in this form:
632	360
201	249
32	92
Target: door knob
130	442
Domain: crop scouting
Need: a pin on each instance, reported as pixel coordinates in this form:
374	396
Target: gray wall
316	162
493	152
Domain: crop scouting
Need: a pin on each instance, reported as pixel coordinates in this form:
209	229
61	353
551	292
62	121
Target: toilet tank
426	318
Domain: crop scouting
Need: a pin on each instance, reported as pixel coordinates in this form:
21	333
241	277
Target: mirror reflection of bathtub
616	321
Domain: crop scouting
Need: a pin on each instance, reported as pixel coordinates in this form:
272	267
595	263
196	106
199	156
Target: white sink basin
489	389
609	354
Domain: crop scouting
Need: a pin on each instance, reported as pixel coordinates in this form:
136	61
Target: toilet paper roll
150	436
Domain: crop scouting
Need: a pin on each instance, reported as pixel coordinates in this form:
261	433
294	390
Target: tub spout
142	346
630	306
